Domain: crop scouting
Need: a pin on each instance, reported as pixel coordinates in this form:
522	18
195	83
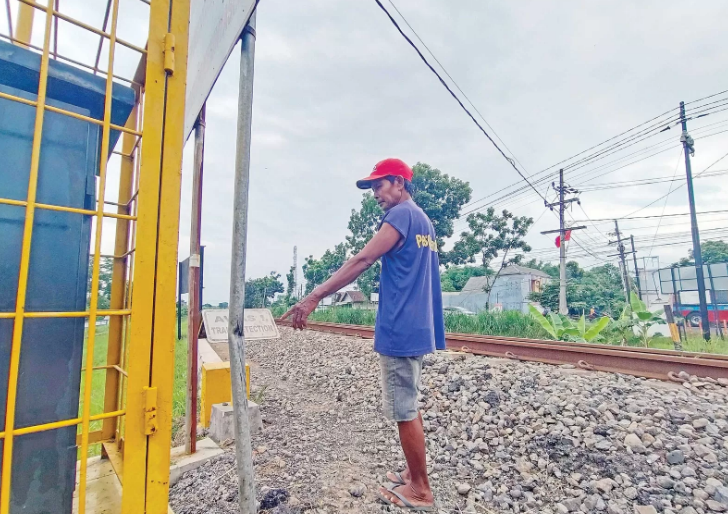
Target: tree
223	305
260	291
291	283
573	271
551	270
490	237
441	197
318	271
363	224
106	270
438	194
599	287
454	278
712	252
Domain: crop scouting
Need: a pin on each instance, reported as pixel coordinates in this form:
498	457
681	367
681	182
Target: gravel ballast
503	436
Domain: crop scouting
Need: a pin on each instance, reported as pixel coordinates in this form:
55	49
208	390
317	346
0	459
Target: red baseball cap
386	168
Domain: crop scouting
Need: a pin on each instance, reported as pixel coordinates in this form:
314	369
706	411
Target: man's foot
399	478
405	497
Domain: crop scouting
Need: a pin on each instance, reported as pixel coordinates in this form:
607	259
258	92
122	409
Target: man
409	320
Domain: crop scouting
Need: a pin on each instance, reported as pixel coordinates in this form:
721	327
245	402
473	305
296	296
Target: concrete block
222	423
216	387
181	462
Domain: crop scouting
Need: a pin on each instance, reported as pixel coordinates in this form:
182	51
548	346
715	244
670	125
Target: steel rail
643	362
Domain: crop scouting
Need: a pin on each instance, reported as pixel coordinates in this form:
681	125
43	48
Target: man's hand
300	312
382	242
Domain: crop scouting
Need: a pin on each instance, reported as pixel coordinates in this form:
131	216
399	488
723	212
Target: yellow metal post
168	238
93	304
145	264
114	379
24	28
23	274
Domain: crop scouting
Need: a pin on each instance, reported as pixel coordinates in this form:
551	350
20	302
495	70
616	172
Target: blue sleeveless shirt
410	318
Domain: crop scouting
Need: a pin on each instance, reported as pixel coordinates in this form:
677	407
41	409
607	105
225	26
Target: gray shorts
400	382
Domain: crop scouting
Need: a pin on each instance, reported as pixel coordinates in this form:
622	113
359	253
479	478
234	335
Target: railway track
643	362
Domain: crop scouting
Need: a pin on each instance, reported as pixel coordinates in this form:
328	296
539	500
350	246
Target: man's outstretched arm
382	242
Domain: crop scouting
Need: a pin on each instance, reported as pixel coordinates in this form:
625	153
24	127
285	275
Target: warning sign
258	324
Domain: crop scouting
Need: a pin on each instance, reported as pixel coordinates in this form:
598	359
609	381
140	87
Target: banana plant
562	328
643	319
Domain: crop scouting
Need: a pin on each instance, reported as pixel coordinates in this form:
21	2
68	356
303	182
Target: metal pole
563	307
636	269
179	302
718	328
697	254
194	310
236	339
24	27
625	277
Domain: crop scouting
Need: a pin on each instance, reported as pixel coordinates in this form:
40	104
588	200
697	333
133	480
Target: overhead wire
633	139
678	187
510	160
520	190
664	206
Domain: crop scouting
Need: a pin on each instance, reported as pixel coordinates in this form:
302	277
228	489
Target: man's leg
406	475
412	439
400	380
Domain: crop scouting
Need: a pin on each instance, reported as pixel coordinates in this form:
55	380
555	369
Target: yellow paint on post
217	388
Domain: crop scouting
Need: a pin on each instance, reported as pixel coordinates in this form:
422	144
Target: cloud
337	89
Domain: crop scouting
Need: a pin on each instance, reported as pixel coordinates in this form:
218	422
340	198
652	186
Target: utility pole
620	249
295	269
236	337
194	311
688	150
636	269
563	307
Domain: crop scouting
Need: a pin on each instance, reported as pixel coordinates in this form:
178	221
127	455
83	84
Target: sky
337	89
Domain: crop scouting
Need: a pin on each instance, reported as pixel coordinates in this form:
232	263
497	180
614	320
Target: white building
509	292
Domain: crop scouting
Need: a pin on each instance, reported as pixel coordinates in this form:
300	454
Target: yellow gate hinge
169	53
150	410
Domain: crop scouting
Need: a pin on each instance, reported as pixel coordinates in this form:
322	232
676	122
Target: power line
586	160
664	206
611	220
672	191
457	99
454	82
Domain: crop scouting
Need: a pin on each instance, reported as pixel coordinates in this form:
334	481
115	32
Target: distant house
348	296
352	299
509	292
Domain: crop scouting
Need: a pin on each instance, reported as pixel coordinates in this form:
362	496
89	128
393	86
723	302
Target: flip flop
398	478
405	503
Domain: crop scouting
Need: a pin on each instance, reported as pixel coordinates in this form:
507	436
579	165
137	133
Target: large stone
632	440
644	509
676	457
463	489
715	506
665	482
721	495
605	485
572	504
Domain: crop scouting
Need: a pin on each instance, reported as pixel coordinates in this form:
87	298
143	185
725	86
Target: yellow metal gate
135	376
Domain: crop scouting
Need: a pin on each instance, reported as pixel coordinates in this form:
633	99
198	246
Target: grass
512	324
101	344
695	343
507	323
